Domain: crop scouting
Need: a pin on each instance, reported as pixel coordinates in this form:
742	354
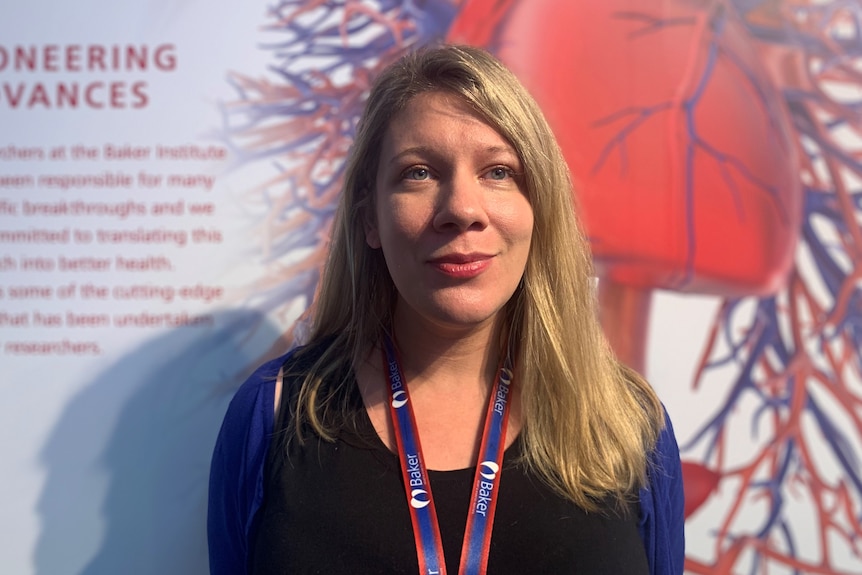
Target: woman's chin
454	317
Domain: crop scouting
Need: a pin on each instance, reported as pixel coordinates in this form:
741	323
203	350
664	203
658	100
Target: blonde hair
589	422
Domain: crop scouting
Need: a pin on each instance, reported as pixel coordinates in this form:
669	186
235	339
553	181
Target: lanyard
480	518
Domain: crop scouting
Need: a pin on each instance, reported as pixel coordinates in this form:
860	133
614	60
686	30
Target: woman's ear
372	236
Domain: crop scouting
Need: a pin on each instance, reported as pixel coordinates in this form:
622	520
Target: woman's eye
417	174
499	173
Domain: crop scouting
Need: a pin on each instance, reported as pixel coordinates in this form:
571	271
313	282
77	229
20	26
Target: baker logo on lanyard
423	514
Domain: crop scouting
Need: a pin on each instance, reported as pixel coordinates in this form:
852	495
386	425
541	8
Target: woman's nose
461	204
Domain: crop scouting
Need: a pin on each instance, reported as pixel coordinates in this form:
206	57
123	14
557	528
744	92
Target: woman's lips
461	266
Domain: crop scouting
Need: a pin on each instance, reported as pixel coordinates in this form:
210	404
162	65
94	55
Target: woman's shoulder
236	471
251	409
662	504
249	421
302	358
666	453
256	396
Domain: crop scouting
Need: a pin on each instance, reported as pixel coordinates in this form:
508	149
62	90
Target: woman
457	305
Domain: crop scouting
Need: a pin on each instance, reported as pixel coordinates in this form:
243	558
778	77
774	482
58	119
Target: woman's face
451	215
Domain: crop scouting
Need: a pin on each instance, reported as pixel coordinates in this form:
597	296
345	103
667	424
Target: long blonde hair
589	422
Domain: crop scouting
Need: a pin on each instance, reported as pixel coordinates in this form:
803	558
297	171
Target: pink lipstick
462	266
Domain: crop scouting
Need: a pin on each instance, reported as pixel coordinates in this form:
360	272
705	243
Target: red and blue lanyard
480	518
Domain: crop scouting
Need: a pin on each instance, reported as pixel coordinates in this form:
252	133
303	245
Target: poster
168	172
124	250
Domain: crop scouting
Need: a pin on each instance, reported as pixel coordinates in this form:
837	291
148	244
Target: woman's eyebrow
412	151
427	151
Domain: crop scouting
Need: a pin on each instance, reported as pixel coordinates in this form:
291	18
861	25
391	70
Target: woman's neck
449	374
446	358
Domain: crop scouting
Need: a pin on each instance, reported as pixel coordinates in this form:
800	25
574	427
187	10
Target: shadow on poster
139	439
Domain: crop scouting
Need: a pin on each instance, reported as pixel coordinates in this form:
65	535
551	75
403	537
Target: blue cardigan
237	474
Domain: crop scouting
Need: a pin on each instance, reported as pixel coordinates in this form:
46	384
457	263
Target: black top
340	507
